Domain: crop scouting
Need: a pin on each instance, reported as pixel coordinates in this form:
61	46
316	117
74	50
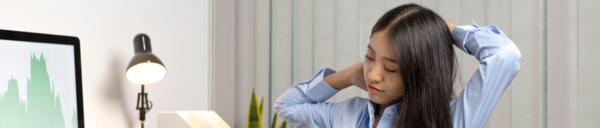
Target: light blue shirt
499	60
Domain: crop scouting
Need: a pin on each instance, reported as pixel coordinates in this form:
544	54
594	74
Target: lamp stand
144	108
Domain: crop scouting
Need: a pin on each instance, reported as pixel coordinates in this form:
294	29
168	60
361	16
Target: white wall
179	33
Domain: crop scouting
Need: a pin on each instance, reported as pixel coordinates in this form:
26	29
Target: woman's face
382	72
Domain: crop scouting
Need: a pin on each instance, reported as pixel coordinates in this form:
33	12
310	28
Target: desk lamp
144	68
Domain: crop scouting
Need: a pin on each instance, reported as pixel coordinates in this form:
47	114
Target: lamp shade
144	67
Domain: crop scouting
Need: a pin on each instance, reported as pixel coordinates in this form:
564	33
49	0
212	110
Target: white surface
171	119
190	119
106	30
211	119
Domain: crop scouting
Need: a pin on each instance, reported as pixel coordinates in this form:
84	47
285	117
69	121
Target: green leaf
261	105
254	116
283	125
274	121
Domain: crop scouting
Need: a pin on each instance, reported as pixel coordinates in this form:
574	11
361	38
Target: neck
379	111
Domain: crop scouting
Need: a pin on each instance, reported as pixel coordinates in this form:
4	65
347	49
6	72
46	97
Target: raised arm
499	61
302	105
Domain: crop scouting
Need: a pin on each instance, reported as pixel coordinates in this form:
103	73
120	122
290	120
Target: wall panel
262	64
325	36
562	64
526	86
302	40
223	67
348	41
244	56
588	15
281	49
390	4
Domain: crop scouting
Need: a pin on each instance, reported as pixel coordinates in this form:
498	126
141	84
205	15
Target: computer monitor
40	81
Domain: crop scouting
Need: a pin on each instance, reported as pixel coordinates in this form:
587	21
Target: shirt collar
389	117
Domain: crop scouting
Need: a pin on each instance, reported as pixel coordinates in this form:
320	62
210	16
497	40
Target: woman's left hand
450	26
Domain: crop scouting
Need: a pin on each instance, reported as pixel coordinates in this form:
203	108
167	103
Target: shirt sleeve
499	61
302	104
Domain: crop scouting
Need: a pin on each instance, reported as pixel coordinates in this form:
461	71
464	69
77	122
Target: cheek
401	89
398	87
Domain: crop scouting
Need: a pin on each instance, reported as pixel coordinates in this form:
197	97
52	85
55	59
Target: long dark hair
422	43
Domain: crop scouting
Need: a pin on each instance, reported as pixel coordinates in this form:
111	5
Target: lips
373	89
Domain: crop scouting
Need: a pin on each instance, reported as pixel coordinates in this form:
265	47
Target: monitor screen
40	81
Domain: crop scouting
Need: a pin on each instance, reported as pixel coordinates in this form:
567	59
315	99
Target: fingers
450	26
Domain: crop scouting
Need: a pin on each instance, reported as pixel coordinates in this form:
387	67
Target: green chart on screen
43	105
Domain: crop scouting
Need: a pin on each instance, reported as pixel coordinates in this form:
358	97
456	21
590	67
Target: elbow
511	56
515	55
517	60
283	101
284	111
280	106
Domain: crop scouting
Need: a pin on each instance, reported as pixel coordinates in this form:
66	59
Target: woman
409	71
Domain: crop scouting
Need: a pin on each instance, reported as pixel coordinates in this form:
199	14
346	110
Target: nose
375	75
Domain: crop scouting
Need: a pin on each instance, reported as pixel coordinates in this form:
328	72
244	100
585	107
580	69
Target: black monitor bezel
55	39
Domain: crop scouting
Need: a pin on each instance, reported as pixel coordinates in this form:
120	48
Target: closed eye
390	70
369	58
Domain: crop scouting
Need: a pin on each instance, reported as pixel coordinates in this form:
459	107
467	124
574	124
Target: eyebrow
371	48
391	60
385	58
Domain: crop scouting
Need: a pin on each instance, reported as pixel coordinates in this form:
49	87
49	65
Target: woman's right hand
352	75
357	77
